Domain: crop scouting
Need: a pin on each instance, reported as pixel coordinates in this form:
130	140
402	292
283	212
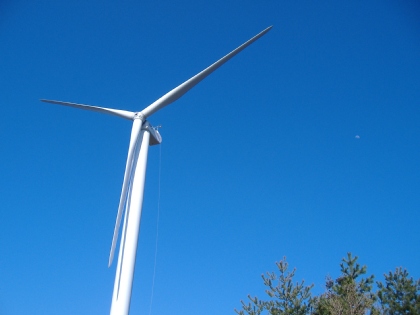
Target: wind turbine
131	200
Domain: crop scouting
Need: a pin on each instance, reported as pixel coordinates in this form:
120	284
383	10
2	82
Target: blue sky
305	145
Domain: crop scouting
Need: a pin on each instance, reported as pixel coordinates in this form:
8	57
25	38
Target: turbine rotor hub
140	116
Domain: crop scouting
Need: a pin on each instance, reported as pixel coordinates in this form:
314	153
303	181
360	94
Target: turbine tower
131	200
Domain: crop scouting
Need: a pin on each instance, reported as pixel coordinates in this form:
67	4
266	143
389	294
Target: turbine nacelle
155	137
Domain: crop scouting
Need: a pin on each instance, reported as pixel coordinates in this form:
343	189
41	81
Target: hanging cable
157	228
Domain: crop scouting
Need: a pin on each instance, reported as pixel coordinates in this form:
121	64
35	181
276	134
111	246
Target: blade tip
46	101
268	28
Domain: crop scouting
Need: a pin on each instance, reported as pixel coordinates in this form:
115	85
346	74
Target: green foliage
285	297
349	294
349	302
400	295
351	271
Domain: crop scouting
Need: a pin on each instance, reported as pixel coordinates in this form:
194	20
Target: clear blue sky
305	145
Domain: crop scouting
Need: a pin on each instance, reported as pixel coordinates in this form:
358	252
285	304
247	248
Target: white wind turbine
131	200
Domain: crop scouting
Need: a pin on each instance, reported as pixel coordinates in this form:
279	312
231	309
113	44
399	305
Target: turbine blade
117	112
135	132
180	90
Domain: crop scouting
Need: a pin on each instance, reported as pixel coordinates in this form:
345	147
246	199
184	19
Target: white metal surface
116	112
131	199
155	137
134	139
128	246
183	88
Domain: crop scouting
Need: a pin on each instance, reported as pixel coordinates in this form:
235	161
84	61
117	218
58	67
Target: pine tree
349	294
400	295
285	297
